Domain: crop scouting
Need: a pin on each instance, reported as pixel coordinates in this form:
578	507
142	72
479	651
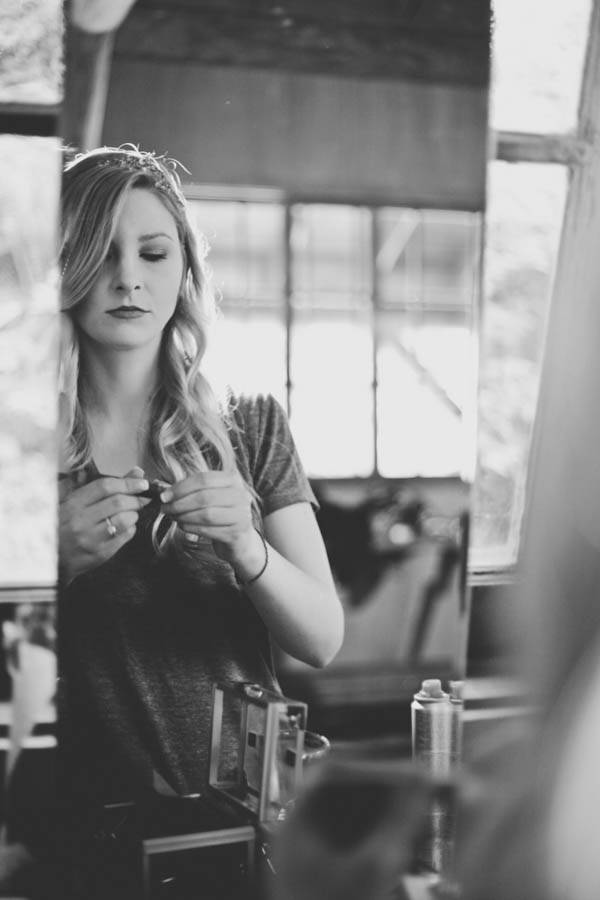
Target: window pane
525	209
30	51
247	259
538	53
246	250
247	352
332	396
427	259
29	191
331	255
425	375
427	270
331	343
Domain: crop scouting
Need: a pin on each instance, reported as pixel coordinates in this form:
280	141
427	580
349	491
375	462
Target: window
524	214
331	307
31	52
29	185
537	64
30	90
534	100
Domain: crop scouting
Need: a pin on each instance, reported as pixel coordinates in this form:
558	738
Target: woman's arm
295	596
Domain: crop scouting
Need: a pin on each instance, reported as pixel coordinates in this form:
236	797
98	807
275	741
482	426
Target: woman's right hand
97	519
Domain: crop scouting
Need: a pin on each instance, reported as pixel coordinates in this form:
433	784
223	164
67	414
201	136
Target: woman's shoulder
255	412
264	443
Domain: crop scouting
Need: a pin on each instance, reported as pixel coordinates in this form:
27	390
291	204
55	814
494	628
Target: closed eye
153	256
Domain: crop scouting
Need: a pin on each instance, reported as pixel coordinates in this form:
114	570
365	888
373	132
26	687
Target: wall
311	136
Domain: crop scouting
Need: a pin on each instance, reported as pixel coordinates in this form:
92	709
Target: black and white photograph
299	531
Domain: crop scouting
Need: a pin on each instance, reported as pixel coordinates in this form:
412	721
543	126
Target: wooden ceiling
444	41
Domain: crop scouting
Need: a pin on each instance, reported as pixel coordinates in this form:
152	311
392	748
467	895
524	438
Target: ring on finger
110	527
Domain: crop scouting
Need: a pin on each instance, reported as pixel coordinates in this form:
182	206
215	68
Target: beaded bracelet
254	578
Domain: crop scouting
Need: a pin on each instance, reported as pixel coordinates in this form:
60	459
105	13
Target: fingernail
141	484
166	496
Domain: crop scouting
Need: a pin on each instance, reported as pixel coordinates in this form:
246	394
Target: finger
109	486
111	527
118	503
100	540
200	481
155	490
136	472
213	516
203	499
224	534
192	537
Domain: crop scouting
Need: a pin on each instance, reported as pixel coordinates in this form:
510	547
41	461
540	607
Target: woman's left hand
218	506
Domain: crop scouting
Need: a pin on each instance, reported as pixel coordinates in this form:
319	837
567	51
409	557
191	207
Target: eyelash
147	255
153	257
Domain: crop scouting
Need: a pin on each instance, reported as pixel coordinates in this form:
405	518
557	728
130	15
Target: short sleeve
266	446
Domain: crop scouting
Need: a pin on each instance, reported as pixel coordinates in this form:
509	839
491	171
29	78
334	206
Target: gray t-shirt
143	638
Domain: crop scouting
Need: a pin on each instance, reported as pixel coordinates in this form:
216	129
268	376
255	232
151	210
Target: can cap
432	687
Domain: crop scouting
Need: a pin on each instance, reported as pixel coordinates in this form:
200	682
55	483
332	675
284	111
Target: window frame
573	150
470	313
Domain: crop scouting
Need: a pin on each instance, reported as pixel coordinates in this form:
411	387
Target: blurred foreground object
436	745
99	16
353	834
262	771
532	810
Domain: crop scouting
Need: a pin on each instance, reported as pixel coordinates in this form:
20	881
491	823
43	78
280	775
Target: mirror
336	161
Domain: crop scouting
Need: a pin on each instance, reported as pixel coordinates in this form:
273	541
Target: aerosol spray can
436	742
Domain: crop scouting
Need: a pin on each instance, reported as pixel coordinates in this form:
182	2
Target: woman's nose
127	275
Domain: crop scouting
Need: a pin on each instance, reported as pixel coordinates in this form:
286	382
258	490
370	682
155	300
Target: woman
163	596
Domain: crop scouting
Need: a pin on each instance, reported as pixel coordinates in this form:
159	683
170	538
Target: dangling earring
66	263
186	356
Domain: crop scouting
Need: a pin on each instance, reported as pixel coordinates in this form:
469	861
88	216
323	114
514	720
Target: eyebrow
148	237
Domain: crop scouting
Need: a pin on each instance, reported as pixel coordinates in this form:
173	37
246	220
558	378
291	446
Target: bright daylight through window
533	95
392	289
30	73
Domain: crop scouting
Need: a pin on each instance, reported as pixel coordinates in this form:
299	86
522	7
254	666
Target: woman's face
137	289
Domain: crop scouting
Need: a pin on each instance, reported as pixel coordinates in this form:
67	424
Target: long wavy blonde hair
190	427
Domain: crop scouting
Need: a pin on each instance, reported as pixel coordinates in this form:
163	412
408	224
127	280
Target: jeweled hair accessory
161	170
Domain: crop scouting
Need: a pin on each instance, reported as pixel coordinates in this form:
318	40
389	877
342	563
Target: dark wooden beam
449	16
349	140
29	118
565	149
444	41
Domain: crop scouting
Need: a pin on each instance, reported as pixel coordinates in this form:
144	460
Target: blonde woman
163	595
